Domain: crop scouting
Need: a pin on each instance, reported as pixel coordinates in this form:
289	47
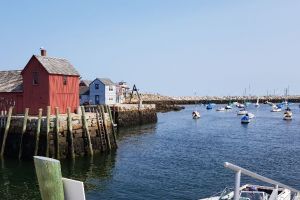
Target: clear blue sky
170	47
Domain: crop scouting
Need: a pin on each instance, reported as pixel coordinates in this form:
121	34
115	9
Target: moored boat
196	115
245	119
209	106
220	109
275	109
242	112
228	107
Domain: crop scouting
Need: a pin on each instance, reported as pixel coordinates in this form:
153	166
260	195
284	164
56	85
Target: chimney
43	52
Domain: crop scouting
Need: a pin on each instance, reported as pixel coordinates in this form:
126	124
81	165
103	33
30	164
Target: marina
174	160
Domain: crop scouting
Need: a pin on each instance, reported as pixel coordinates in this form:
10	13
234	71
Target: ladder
101	130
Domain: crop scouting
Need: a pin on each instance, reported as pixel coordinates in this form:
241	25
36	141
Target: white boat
257	103
251	115
196	115
242	112
220	109
228	107
288	114
240	105
276	109
277	191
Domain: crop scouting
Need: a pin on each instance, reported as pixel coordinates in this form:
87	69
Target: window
111	88
96	86
110	98
65	80
35	78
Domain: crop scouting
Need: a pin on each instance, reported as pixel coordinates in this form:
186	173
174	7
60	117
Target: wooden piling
57	155
49	177
38	130
23	131
113	126
6	131
70	134
105	127
48	131
86	130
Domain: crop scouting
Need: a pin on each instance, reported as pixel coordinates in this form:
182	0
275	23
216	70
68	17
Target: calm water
178	158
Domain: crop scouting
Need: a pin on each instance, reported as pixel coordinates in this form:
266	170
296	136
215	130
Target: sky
170	47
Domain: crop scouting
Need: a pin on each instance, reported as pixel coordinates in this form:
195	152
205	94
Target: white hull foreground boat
196	115
279	191
288	115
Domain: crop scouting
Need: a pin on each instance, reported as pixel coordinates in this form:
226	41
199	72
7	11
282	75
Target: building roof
106	81
57	65
11	81
84	90
85	83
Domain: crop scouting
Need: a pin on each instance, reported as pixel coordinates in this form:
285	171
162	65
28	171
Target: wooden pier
57	136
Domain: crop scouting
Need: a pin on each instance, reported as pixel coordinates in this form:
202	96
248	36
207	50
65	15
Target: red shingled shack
46	81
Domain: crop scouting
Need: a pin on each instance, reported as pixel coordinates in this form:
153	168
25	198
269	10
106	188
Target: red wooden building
45	81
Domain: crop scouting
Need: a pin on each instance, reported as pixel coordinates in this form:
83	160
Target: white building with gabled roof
102	91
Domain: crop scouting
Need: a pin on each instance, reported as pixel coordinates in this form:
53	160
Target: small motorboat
251	115
242	112
228	107
240	105
220	109
209	107
288	114
196	115
245	119
276	109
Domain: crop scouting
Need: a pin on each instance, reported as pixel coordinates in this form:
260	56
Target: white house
122	90
102	91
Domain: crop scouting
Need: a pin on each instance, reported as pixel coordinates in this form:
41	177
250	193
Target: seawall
126	115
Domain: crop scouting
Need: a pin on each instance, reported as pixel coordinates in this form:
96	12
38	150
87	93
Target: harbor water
178	158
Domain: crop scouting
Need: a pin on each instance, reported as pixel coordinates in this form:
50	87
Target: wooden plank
23	131
70	134
86	130
49	177
38	130
73	190
57	154
7	125
48	131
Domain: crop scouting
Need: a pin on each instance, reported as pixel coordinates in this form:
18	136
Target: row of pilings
57	136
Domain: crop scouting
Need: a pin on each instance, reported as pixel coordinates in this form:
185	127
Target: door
97	99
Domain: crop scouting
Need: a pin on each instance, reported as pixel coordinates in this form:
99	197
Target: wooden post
86	129
57	133
70	134
49	177
105	128
113	126
38	130
48	131
23	131
6	131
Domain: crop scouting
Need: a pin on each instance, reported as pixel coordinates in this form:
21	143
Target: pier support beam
49	177
237	186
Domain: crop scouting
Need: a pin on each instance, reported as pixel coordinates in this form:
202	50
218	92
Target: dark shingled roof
85	83
106	81
57	65
11	81
84	90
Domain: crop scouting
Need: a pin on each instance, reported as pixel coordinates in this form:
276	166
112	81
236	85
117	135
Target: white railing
240	170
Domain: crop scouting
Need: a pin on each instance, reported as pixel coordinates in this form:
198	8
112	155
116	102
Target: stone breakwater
126	115
58	142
